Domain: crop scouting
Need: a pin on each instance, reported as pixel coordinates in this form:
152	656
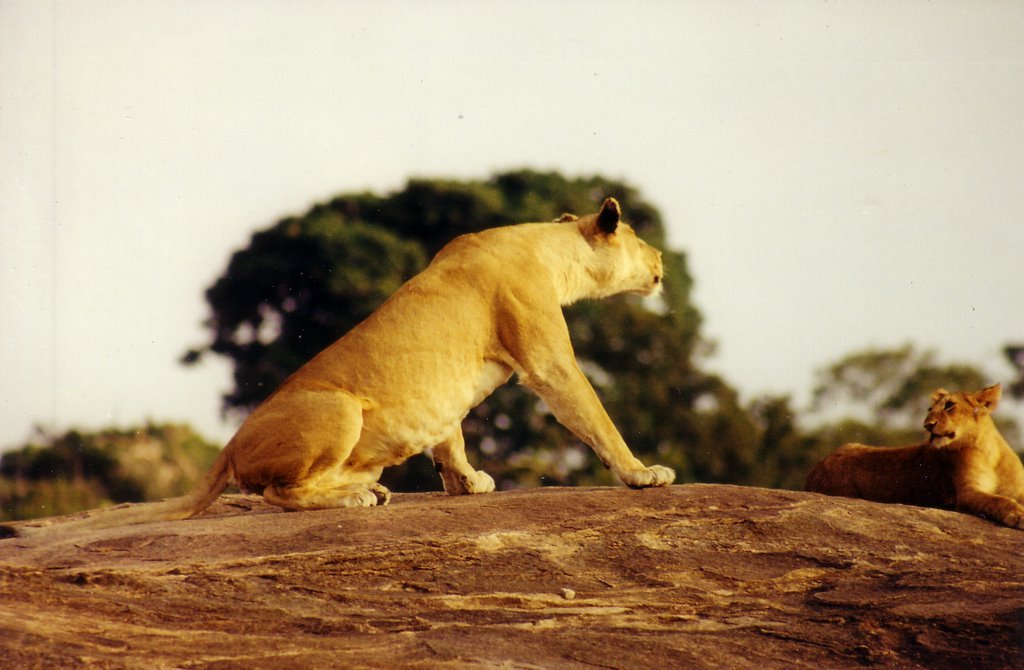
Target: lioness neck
574	266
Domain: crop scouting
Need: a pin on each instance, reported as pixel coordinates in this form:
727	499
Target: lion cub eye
949	406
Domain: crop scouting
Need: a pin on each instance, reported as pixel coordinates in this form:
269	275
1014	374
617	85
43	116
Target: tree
61	474
785	452
304	281
1015	354
891	387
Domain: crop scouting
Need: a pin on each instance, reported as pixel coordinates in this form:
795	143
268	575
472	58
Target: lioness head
956	417
623	262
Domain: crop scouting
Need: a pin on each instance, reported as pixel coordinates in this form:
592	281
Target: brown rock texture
694	576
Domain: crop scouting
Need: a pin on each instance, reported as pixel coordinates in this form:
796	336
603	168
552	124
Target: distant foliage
60	474
893	385
1015	354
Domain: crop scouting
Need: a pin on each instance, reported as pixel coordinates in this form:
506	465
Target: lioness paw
481	482
381	492
656	475
466	483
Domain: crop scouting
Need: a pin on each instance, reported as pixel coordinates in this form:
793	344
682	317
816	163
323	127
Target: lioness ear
939	393
989	397
609	216
565	218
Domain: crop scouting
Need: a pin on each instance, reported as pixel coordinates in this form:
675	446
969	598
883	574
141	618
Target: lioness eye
949	405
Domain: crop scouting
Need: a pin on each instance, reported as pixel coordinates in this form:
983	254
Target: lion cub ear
609	216
565	218
989	397
939	394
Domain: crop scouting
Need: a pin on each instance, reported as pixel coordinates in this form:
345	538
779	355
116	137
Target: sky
841	175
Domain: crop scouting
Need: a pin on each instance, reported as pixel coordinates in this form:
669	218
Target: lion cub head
956	418
622	262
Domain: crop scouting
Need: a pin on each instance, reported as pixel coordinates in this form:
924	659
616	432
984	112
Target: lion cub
965	464
488	305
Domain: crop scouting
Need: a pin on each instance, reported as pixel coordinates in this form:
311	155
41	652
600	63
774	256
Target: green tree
891	387
1015	354
304	281
785	451
61	474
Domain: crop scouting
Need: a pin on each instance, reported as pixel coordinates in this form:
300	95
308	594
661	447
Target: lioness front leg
457	475
577	407
537	340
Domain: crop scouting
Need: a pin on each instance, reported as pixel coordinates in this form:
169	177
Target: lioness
965	464
488	305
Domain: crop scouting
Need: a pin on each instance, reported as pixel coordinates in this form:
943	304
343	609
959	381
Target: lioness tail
182	507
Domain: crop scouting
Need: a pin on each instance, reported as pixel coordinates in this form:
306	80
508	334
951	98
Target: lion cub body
965	465
488	305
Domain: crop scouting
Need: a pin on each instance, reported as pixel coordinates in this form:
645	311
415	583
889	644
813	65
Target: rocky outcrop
696	576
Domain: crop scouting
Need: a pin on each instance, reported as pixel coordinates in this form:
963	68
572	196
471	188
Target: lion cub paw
1014	517
656	475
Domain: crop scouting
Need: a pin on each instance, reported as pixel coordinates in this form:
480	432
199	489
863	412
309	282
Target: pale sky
841	174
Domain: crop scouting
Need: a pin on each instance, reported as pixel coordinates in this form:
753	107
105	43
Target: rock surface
696	576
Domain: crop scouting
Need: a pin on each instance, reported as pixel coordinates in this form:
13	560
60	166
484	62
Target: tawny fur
489	305
965	464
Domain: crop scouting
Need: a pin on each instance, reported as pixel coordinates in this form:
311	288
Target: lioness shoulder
965	464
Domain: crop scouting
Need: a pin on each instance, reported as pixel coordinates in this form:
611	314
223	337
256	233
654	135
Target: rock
695	576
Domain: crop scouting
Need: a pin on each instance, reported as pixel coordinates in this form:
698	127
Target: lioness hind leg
309	497
457	475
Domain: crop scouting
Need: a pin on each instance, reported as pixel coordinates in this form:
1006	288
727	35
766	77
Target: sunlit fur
965	464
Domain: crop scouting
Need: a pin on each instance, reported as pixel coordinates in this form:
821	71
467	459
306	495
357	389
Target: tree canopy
60	474
1015	355
893	386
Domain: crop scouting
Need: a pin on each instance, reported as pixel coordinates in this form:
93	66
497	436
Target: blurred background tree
304	281
60	474
892	387
1015	354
